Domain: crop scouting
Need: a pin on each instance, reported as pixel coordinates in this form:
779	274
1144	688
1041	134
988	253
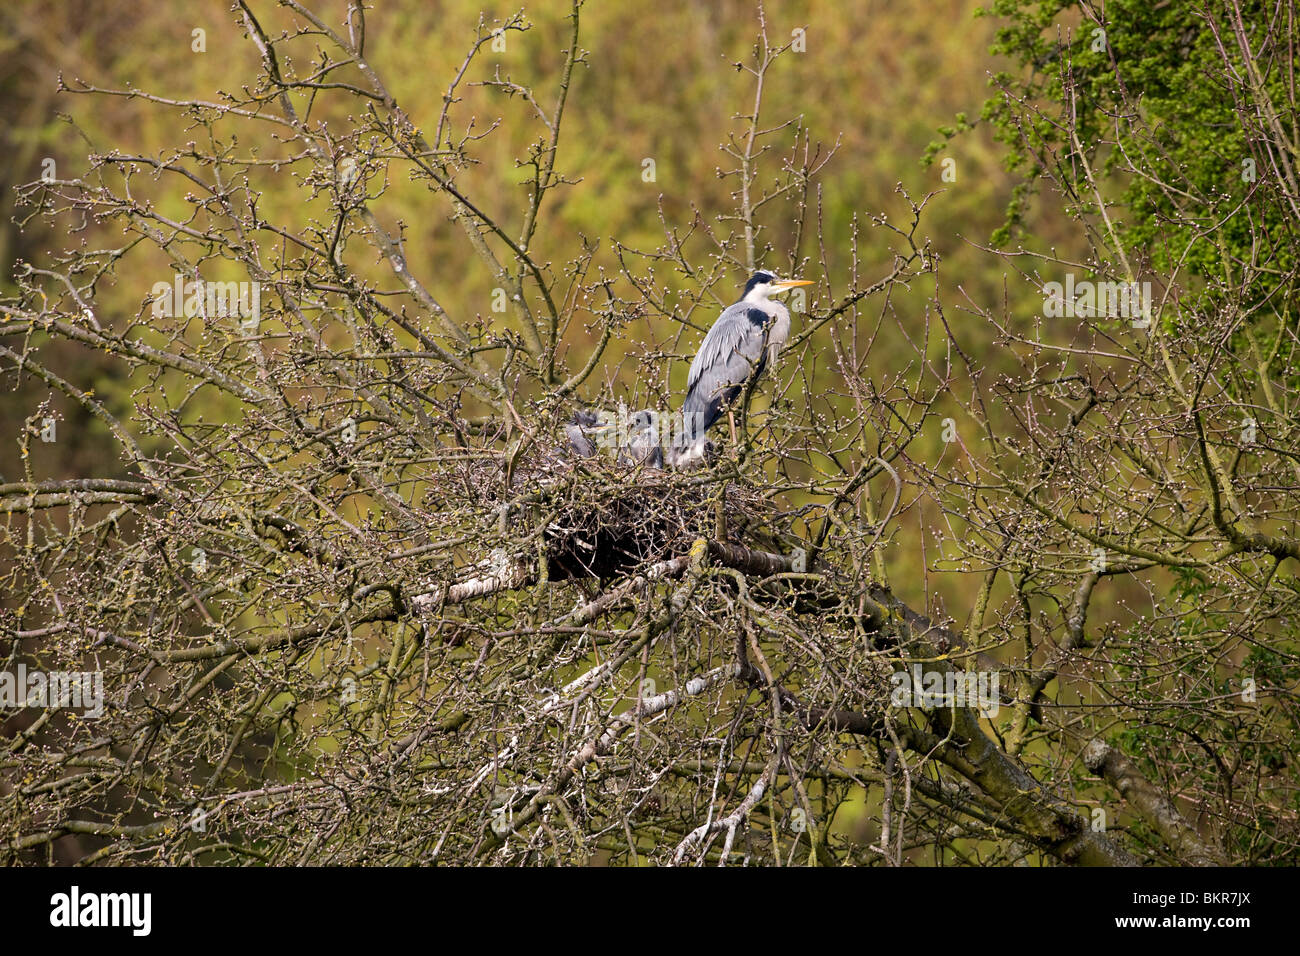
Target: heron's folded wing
731	350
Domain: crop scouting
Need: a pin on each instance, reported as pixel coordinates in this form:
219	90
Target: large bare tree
352	600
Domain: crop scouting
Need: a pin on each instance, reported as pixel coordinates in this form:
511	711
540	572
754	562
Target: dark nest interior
604	519
647	517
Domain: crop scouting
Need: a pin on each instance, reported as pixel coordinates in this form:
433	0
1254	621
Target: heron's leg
731	420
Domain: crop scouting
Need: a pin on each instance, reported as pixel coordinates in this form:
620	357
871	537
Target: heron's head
763	284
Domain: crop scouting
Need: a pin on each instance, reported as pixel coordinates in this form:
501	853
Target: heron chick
635	437
746	338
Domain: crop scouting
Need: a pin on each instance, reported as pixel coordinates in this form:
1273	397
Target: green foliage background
660	82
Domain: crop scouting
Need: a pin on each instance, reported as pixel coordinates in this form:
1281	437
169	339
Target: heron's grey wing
730	352
579	444
644	448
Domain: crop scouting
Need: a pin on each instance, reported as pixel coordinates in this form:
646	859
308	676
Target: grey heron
746	338
579	432
635	437
643	445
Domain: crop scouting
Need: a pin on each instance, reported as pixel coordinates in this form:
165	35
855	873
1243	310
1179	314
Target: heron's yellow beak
790	284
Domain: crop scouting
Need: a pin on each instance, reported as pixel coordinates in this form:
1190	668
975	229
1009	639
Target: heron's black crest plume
757	279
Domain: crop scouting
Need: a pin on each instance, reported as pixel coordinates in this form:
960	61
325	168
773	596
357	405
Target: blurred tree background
1006	119
660	83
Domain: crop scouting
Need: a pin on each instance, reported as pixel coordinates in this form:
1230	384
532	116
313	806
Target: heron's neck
780	328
